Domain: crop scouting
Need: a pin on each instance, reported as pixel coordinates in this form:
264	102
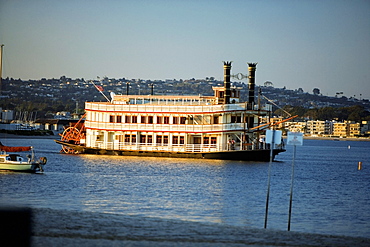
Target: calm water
330	195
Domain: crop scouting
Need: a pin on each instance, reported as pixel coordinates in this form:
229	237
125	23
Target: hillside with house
30	101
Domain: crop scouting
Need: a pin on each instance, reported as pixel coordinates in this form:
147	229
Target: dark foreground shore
71	228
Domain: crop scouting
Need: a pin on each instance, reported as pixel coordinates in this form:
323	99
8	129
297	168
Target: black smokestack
251	81
227	68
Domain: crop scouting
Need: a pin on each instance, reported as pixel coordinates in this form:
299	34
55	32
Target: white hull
25	167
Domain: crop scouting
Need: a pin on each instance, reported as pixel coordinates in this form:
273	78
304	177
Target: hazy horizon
297	44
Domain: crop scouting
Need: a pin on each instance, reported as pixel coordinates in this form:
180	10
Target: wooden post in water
359	166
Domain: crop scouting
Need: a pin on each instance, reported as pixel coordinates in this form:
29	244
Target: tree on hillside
316	91
312	114
357	113
296	110
326	113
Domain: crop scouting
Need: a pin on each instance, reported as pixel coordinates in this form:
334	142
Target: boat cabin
171	123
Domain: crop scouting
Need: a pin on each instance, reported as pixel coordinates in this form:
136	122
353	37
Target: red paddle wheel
73	134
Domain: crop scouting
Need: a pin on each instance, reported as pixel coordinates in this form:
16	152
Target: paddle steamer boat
210	127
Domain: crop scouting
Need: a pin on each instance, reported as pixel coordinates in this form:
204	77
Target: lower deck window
146	139
175	140
213	140
142	139
206	140
130	138
165	139
159	139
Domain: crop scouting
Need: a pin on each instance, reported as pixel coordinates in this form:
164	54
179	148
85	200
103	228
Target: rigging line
276	105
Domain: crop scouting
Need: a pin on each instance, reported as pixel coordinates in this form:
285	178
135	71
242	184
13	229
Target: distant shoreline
336	138
4	136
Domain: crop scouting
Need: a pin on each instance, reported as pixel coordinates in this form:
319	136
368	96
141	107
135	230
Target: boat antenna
100	89
272	102
270	124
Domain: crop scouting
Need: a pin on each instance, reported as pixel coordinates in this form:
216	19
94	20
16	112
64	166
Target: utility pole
1	68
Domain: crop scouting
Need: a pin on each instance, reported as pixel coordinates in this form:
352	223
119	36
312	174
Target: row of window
162	139
146	119
161	119
209	140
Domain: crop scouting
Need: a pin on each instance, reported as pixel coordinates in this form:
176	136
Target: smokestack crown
252	66
227	63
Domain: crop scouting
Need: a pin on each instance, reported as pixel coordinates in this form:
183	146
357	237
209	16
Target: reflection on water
330	194
170	188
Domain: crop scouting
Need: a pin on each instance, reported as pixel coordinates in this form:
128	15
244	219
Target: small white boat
17	163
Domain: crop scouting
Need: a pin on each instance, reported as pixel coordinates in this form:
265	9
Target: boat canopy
14	149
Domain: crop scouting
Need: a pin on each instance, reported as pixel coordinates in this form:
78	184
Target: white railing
193	148
156	147
187	109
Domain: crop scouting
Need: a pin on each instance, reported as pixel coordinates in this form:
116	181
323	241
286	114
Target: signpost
295	139
273	137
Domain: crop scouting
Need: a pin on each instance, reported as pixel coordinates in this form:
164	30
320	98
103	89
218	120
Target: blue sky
297	44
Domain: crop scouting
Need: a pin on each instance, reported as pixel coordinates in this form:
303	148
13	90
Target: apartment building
365	128
354	129
340	129
346	129
318	128
295	126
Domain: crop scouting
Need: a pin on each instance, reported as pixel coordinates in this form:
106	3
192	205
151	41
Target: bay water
330	194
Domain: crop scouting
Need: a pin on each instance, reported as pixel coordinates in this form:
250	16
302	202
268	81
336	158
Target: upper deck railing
164	108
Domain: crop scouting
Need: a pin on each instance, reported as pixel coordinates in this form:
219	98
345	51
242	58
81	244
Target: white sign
295	138
277	136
